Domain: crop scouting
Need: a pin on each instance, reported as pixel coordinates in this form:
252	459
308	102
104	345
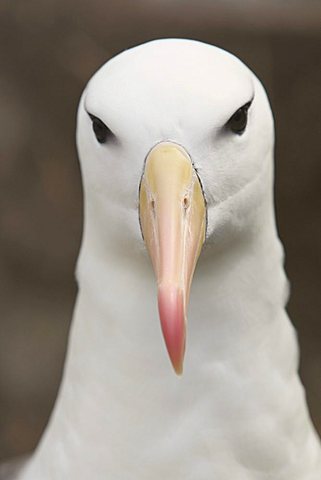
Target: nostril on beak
185	203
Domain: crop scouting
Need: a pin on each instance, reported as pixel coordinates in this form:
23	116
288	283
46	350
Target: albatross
175	140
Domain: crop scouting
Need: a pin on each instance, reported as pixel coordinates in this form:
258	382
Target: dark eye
101	130
238	121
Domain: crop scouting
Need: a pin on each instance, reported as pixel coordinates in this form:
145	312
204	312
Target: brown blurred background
49	49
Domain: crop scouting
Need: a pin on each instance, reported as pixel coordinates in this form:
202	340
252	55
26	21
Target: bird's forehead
169	74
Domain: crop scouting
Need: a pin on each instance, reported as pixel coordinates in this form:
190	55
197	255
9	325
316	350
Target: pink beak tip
178	367
172	317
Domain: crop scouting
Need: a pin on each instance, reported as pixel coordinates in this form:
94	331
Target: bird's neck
239	408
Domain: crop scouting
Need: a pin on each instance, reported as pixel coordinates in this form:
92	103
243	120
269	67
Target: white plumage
238	411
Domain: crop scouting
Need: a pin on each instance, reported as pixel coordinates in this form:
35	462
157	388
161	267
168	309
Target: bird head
170	136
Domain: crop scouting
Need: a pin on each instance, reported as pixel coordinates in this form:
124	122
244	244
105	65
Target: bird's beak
173	222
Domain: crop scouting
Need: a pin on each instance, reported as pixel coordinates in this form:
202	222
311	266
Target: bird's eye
238	121
101	130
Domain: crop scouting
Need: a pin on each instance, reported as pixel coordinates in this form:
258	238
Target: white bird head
170	135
